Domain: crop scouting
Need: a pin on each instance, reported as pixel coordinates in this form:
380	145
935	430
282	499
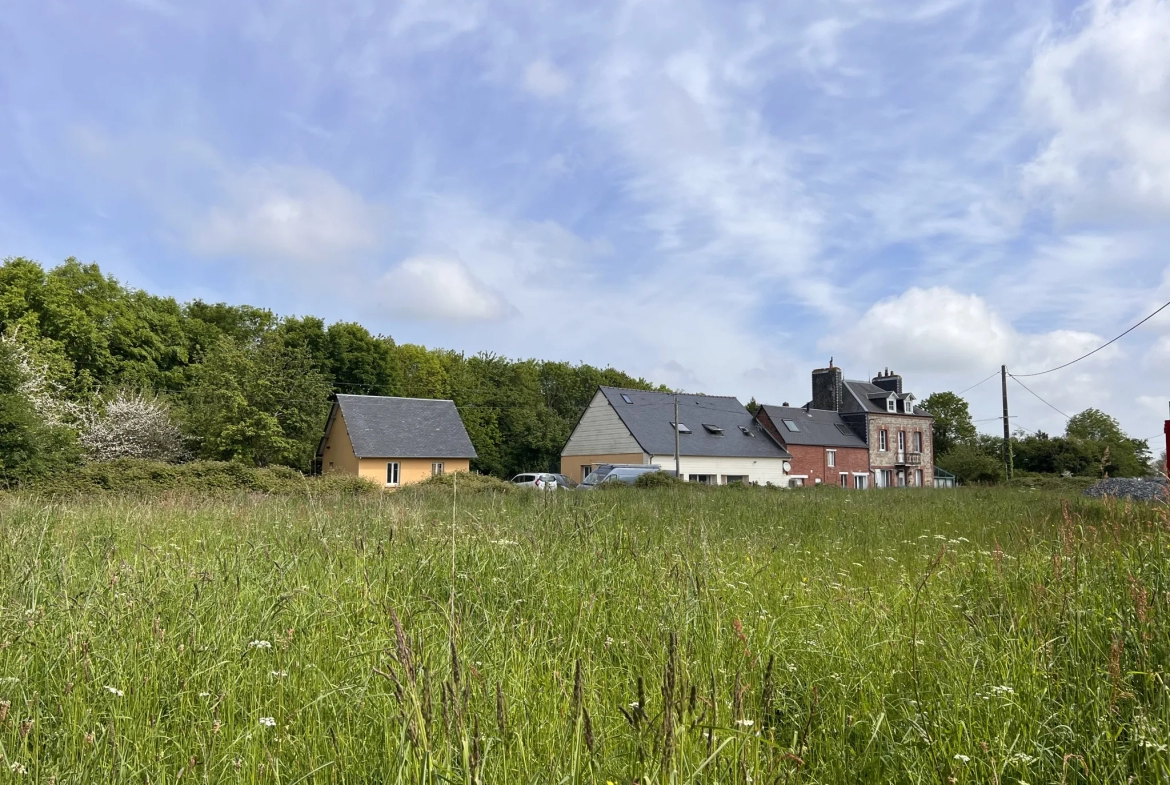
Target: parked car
566	482
542	481
610	472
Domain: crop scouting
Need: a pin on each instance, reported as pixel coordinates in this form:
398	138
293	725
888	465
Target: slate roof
858	399
818	427
649	415
383	427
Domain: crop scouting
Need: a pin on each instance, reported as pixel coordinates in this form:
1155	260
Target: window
704	479
682	427
331	464
831	458
791	425
861	481
918	478
392	473
891	405
843	429
585	472
626	398
918	441
735	479
844	479
714	430
436	468
883	440
744	430
901	441
796	482
884	478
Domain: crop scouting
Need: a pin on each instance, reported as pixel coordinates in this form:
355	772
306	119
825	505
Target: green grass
813	636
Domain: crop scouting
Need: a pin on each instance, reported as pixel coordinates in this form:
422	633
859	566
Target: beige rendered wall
571	464
410	470
338	453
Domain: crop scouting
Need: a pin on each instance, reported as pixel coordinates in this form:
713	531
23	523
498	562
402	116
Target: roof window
844	429
791	425
714	430
746	432
682	427
626	398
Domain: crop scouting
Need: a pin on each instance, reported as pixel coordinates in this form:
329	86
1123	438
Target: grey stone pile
1146	489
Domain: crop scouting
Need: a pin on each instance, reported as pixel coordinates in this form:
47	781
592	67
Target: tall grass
734	636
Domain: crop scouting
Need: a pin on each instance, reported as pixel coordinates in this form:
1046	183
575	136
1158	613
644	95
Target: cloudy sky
717	195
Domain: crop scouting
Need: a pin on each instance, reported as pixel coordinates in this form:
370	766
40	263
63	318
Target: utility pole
677	472
1007	434
1166	465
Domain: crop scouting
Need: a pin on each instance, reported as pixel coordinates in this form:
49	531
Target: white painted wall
601	432
758	470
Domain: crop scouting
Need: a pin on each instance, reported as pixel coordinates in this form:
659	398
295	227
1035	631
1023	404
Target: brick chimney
890	382
828	388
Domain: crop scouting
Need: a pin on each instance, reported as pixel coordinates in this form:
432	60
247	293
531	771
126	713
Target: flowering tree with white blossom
131	425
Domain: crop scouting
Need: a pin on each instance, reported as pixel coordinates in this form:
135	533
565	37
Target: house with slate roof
897	431
718	439
824	448
394	441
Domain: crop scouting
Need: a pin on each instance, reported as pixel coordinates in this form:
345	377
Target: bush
656	480
134	476
1050	482
467	482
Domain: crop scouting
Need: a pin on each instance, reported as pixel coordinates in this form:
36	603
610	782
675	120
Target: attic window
626	398
714	430
891	405
682	427
746	432
844	429
791	425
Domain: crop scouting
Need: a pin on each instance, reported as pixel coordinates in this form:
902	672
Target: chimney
890	382
827	388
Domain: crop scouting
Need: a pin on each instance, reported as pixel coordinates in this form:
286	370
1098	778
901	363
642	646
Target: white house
718	439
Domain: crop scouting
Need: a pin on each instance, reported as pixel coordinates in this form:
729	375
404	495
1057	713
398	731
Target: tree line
1093	445
90	368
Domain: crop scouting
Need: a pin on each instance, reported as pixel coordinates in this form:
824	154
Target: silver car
541	481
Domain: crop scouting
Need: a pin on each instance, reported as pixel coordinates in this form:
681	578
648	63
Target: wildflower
10	680
635	705
504	542
1021	757
963	758
205	695
89	737
608	641
268	722
18	769
745	723
279	674
1003	689
260	645
114	691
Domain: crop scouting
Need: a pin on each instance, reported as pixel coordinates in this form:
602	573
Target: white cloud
287	214
439	288
1103	94
543	79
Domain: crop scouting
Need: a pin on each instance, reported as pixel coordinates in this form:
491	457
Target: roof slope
649	415
383	427
859	399
818	427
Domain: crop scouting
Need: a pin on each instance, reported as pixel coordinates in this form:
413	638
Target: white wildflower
1022	758
635	705
608	641
114	691
205	695
268	722
10	680
745	723
18	769
260	645
963	758
279	674
504	542
1003	689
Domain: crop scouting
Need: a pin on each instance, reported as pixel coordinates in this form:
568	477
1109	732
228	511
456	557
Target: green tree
362	363
972	463
258	404
952	421
1114	452
422	372
28	446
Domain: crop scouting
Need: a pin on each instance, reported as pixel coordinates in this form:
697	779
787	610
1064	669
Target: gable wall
601	432
338	455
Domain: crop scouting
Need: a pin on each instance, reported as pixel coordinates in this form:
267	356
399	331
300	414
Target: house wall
813	462
601	432
338	455
571	464
888	459
410	470
757	470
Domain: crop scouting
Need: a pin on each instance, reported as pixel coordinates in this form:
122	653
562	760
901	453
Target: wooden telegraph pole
1007	434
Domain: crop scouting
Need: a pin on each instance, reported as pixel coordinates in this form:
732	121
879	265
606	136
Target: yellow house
394	441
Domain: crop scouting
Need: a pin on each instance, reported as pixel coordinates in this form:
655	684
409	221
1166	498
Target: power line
1046	403
972	387
1099	348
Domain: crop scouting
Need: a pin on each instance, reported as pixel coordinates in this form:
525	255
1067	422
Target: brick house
897	432
824	449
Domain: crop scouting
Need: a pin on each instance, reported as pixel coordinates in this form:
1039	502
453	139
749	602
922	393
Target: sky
713	194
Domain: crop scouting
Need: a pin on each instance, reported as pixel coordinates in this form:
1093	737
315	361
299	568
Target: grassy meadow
661	636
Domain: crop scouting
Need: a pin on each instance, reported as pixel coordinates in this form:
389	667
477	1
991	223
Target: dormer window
891	404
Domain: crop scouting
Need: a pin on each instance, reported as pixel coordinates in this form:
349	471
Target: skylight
844	429
682	427
791	425
713	429
746	432
626	398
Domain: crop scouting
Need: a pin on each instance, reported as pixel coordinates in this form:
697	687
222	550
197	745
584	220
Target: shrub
656	480
465	481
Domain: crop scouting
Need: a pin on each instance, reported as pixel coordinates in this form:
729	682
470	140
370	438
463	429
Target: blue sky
718	195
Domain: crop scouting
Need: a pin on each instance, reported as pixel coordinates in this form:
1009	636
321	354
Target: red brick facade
812	462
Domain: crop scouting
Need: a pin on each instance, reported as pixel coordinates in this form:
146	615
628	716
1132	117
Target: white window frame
586	470
831	459
919	478
861	481
918	441
883	440
901	441
437	468
891	405
393	470
844	479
